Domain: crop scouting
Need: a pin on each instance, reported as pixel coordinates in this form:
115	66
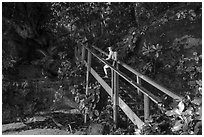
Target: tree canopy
139	31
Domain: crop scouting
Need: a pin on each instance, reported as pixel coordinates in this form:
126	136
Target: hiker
110	56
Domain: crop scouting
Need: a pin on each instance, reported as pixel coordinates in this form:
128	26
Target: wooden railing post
138	80
115	92
112	91
146	108
83	53
112	83
146	101
87	79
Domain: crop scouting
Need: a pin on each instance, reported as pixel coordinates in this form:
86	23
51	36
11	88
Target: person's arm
109	55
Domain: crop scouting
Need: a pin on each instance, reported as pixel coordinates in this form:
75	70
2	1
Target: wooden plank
126	109
131	115
102	82
145	78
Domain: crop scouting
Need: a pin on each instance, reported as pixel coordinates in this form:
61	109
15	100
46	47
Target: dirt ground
20	129
65	123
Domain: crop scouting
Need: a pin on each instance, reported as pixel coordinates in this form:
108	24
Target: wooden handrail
126	109
145	78
142	89
111	91
150	81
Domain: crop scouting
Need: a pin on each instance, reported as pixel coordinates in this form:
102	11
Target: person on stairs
110	57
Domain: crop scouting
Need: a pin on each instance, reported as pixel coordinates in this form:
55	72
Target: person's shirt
110	55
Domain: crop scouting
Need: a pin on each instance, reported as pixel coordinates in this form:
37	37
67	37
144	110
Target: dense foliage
160	40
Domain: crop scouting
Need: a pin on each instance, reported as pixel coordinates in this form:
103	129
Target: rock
95	129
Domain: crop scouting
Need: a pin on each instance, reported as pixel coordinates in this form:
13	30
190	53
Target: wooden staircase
129	94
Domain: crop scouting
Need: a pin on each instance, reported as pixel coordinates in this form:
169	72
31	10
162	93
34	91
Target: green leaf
181	107
178	126
172	112
176	111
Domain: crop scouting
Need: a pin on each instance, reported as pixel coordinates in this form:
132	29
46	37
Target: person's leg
105	70
113	64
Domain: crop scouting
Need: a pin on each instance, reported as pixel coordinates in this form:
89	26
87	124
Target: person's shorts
111	62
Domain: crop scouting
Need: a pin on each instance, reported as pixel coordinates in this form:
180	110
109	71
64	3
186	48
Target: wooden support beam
147	95
112	83
138	80
130	114
115	92
146	108
126	109
102	82
154	98
87	79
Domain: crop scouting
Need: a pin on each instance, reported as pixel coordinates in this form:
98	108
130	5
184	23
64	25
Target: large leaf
181	107
176	111
171	112
178	126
